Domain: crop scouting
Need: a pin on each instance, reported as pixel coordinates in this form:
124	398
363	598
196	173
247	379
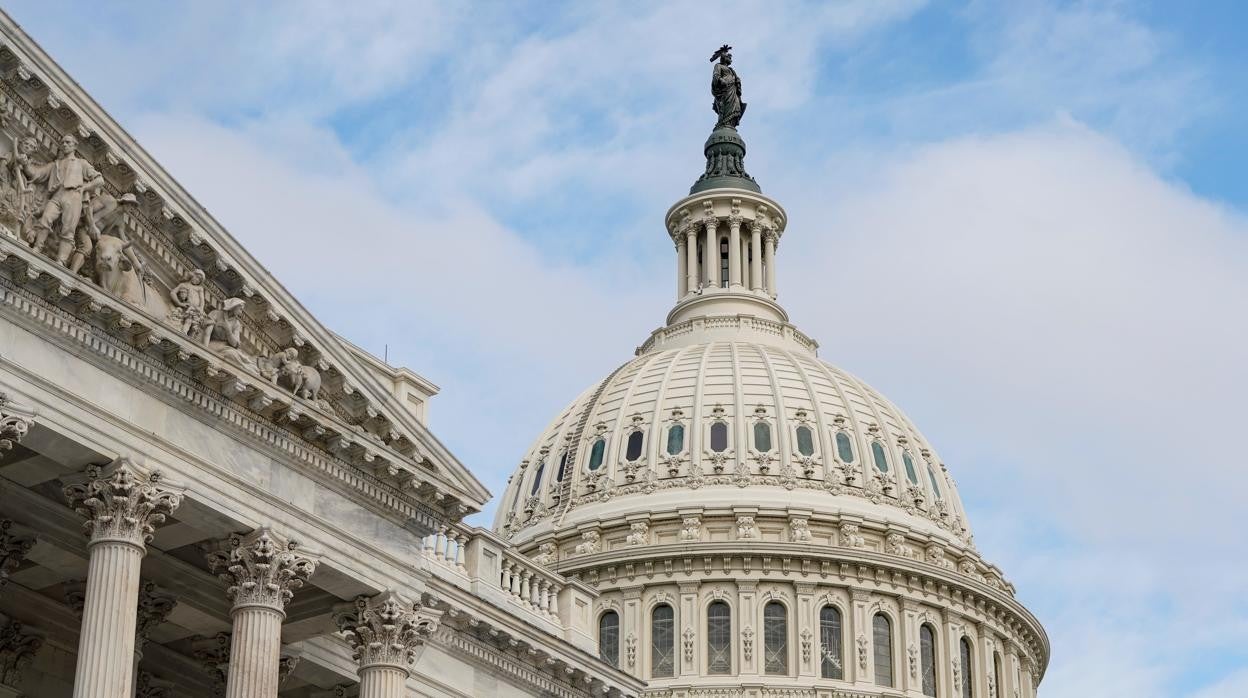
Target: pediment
200	304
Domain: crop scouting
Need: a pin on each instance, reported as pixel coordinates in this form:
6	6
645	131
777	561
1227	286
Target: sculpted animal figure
114	270
303	381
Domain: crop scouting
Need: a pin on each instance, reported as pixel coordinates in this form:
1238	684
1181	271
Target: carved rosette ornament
14	423
387	629
121	502
262	569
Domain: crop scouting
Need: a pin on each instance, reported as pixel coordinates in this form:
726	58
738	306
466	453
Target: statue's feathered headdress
723	51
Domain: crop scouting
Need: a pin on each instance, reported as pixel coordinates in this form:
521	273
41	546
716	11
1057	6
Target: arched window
968	669
881	460
662	642
675	439
775	638
762	436
515	494
805	441
537	477
563	467
996	672
927	659
609	638
844	447
882	630
911	475
830	666
719	437
718	638
633	450
596	453
935	485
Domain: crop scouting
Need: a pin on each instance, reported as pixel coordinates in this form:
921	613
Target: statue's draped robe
726	89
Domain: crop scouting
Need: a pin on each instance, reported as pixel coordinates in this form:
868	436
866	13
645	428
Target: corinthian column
263	571
710	253
769	260
123	505
691	258
756	256
387	633
14	422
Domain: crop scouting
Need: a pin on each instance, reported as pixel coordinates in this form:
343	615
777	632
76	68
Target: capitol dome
756	521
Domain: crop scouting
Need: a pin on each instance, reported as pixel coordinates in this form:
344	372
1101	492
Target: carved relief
850	538
912	655
639	533
747	642
896	544
862	651
547	553
689	637
630	649
154	608
807	639
213	654
746	530
691	530
589	543
936	556
799	530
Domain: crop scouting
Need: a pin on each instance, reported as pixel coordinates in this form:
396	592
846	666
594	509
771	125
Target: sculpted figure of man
69	180
189	299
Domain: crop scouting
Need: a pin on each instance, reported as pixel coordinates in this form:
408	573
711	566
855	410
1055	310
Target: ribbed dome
796	433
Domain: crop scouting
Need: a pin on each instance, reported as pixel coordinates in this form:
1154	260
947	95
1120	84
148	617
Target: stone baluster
263	570
439	544
428	549
525	575
504	576
515	579
123	504
387	633
461	551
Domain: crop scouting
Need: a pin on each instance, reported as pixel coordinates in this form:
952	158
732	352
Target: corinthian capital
154	607
387	629
262	568
121	501
13	549
14	422
18	647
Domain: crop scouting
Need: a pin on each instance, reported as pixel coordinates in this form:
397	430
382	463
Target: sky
1024	222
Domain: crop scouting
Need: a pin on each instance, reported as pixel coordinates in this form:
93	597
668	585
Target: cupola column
691	257
734	251
769	261
710	253
682	280
756	256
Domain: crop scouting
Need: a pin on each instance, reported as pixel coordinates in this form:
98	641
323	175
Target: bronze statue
726	89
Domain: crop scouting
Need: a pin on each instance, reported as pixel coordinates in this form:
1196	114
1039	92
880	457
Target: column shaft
734	253
691	256
109	617
710	254
769	261
682	280
383	681
255	650
756	258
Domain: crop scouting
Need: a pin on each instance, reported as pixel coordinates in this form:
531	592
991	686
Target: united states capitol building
205	492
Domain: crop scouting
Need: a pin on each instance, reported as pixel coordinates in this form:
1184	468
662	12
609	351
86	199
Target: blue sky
1023	222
